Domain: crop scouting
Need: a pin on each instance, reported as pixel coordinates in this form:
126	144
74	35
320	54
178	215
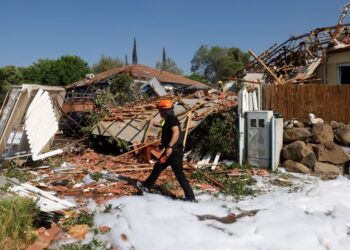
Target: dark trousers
175	161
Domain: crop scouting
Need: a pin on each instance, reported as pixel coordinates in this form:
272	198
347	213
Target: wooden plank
189	121
264	66
134	150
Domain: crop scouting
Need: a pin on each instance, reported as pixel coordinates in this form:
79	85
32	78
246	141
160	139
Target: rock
331	152
322	133
335	124
326	169
296	134
299	152
295	167
342	135
299	125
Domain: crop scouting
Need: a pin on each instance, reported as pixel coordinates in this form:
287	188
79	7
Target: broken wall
334	60
15	108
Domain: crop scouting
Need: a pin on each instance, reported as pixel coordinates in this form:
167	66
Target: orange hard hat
165	104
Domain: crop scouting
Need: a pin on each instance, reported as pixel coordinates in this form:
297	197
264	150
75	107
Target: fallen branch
206	176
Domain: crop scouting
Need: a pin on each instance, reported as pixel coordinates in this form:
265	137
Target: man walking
171	141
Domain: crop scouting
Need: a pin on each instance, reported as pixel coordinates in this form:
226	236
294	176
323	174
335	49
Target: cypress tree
134	53
126	60
164	63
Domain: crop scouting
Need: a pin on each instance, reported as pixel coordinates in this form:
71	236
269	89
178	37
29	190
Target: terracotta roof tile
140	72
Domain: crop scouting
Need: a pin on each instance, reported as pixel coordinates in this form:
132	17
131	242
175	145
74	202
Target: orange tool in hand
160	155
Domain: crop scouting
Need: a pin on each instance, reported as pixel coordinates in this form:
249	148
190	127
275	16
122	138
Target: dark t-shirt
170	122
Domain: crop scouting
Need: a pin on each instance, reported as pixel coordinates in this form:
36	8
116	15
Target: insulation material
46	201
41	123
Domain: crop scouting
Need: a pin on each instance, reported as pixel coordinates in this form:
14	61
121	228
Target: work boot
190	199
141	187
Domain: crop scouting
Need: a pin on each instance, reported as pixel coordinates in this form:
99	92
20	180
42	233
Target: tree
63	71
42	72
216	63
164	61
197	77
71	69
217	133
134	53
124	89
9	75
106	63
170	66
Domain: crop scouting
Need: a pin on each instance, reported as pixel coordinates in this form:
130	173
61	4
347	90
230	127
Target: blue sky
30	30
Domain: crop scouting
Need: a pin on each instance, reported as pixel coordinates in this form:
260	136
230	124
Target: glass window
253	123
261	123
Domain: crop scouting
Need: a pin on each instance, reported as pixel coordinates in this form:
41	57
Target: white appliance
264	139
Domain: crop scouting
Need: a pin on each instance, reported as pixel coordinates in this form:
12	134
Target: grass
108	208
83	218
96	176
93	245
234	185
15	171
16	218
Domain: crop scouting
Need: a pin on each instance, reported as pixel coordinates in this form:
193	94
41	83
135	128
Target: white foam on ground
315	217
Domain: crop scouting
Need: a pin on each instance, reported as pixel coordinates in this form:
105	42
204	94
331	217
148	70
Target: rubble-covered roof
296	59
140	72
134	122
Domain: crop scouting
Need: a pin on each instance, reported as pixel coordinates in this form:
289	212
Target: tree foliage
106	63
217	133
134	53
197	77
61	72
216	63
9	75
164	61
124	90
169	66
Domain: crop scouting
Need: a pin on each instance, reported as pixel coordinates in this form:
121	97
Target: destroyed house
320	56
150	80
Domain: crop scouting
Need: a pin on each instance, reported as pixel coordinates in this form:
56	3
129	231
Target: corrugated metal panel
41	123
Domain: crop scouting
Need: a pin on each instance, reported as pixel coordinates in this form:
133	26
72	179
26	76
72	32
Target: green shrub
217	133
16	219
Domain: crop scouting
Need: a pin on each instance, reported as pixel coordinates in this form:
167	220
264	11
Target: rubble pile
139	122
296	60
319	148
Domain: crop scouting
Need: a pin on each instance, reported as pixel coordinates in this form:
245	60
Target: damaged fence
331	102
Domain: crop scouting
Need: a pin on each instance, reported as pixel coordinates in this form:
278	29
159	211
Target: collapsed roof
134	123
296	59
139	72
